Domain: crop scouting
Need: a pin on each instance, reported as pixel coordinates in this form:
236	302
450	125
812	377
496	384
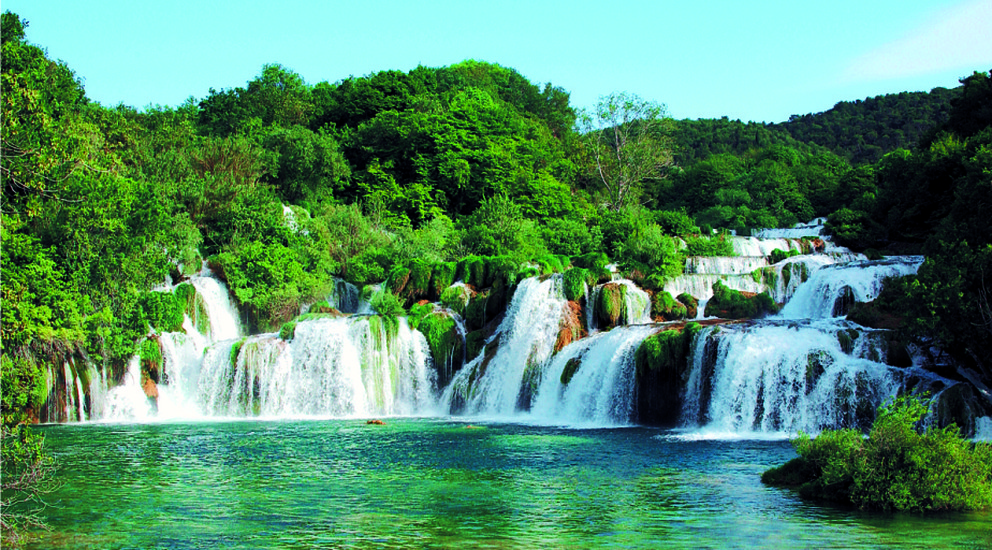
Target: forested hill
698	139
860	131
863	130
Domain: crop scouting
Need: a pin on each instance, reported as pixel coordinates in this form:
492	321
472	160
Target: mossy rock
691	305
236	347
445	343
568	372
846	339
778	255
571	327
456	298
472	270
666	307
150	354
442	277
610	309
662	361
475	342
288	330
728	303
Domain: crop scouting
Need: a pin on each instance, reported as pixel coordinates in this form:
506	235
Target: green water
420	483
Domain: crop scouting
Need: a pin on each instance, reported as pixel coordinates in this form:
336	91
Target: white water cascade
600	389
858	281
491	385
351	366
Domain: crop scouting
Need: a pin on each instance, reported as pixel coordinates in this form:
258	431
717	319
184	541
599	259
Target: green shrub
691	305
162	311
676	222
387	304
288	330
709	246
574	283
897	467
778	255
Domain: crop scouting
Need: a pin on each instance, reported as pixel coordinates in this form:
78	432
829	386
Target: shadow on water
440	483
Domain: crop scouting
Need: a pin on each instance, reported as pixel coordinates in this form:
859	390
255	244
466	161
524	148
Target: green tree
629	142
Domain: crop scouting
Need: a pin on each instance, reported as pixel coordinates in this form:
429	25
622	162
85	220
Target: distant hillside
698	139
863	131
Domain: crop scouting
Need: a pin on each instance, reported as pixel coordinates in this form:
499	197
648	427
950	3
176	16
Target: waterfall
983	429
753	246
823	295
724	265
344	296
700	286
778	376
220	308
812	229
128	400
592	381
351	366
492	384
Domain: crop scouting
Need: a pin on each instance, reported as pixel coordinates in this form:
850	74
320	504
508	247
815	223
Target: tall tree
630	142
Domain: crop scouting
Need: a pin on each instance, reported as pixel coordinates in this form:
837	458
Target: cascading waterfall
592	381
856	281
213	320
753	246
700	286
724	265
349	366
492	385
222	312
344	296
806	369
814	228
778	376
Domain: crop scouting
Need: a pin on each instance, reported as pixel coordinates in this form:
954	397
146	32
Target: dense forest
280	186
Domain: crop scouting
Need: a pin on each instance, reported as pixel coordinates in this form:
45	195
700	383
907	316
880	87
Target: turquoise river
444	483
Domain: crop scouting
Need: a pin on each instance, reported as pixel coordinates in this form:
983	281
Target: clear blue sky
760	60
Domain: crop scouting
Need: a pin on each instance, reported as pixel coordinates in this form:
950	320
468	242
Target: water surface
443	483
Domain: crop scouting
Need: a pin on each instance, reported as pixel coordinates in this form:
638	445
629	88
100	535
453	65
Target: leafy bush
574	283
896	468
569	237
650	257
778	255
709	246
676	222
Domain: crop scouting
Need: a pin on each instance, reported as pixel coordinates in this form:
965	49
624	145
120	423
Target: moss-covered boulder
445	342
442	277
666	308
457	297
691	305
728	303
662	362
610	309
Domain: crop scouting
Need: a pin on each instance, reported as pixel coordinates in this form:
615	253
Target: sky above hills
760	61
